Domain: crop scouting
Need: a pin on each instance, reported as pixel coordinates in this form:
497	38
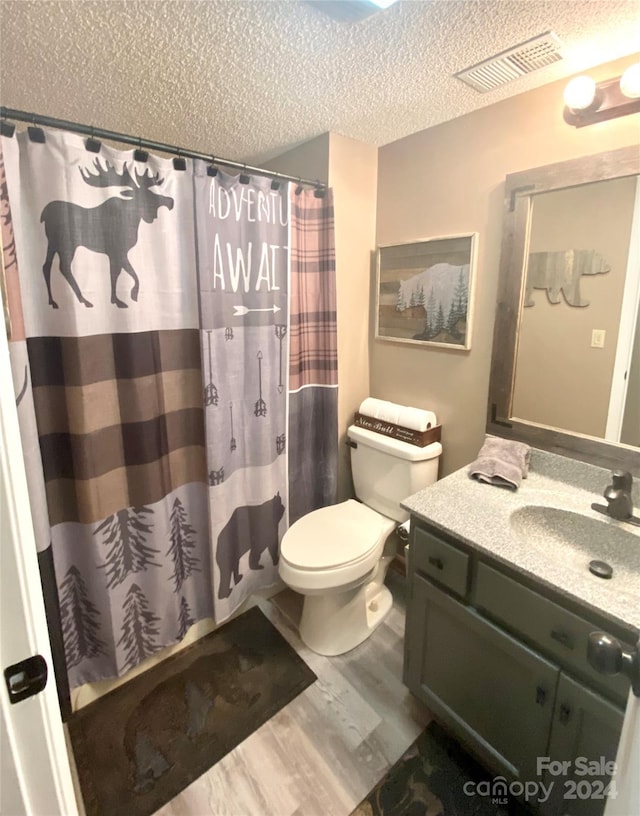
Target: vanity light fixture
587	101
630	81
580	94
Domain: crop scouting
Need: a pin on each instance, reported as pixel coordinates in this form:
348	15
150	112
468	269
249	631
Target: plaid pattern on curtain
313	351
313	356
111	402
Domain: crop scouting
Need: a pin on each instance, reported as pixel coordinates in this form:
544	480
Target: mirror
565	373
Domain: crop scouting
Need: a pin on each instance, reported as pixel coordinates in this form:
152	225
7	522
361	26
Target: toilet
335	556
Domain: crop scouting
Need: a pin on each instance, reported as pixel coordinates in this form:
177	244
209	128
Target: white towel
414	418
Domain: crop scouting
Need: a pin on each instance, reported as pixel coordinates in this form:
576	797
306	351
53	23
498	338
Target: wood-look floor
324	751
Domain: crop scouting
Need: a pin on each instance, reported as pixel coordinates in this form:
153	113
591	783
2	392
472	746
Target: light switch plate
597	338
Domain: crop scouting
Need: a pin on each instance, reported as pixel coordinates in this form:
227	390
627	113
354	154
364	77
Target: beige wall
353	174
561	380
450	180
351	170
309	160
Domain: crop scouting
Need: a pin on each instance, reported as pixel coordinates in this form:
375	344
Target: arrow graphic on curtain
243	310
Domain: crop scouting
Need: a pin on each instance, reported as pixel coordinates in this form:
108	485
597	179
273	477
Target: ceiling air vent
513	63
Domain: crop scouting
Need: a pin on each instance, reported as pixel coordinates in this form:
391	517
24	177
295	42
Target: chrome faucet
618	495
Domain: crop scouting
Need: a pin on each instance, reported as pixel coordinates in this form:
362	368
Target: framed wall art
424	291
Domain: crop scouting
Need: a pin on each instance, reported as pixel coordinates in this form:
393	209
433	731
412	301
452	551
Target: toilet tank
386	471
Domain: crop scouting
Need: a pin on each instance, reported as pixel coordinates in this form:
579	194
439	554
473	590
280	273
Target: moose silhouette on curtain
69	226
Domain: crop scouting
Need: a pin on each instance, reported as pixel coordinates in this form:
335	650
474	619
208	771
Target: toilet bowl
335	556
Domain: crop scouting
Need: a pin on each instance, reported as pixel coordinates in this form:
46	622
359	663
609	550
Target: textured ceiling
247	80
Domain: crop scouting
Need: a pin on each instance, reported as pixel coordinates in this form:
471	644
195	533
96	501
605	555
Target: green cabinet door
493	692
584	735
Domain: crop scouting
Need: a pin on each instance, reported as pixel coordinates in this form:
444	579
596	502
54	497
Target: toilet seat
333	546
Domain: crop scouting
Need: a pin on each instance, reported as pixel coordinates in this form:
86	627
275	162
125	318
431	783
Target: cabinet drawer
543	623
441	561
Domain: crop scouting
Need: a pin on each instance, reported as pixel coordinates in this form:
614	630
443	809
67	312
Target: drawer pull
541	695
565	713
437	562
563	638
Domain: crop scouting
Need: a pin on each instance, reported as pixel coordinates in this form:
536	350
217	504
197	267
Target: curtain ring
139	154
7	129
179	162
244	178
92	144
299	188
36	133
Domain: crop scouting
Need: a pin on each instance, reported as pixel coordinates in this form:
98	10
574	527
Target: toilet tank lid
394	447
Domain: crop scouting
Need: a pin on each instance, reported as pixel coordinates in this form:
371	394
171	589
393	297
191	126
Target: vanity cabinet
472	674
504	668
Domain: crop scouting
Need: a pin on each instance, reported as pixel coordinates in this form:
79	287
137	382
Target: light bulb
580	93
630	81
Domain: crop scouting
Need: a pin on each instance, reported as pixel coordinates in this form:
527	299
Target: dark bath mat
429	779
141	744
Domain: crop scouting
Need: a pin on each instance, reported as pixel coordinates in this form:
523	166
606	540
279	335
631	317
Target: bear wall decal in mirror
568	379
559	273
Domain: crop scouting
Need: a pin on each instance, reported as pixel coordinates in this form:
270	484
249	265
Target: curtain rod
101	133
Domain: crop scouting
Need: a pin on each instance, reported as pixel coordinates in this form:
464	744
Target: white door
629	317
627	779
35	773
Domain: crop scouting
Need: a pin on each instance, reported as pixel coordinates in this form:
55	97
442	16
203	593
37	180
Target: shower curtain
153	392
266	263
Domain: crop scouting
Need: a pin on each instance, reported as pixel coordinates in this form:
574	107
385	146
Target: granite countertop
512	527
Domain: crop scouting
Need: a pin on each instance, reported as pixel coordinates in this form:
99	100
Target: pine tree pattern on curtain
115	449
313	360
243	258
